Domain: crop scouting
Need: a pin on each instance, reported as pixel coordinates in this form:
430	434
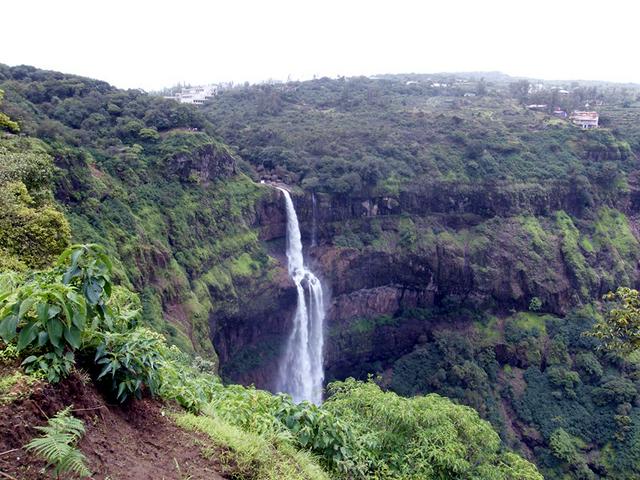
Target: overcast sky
152	44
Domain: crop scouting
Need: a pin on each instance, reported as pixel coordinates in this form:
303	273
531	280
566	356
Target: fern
58	444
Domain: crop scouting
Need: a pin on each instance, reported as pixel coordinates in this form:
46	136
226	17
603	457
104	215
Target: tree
619	329
535	304
5	122
441	439
520	89
481	88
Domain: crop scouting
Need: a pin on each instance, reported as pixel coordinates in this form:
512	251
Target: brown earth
138	441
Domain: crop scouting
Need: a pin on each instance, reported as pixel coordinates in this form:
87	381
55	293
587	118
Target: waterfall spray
301	369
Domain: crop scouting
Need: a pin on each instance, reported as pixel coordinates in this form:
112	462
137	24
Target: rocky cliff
488	247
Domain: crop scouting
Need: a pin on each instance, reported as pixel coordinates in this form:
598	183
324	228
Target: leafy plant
50	365
88	271
619	329
131	360
43	313
57	445
184	381
319	431
47	313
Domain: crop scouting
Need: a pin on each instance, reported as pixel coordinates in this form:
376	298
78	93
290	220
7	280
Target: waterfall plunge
301	369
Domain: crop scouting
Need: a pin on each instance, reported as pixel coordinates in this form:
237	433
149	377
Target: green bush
56	312
43	313
5	122
132	360
535	304
320	431
441	439
51	313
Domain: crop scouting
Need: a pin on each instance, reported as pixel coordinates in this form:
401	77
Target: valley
463	243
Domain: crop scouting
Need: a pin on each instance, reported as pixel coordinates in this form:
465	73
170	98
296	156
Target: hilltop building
585	120
195	95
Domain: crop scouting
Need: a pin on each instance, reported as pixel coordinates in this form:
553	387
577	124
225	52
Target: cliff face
492	247
207	162
248	337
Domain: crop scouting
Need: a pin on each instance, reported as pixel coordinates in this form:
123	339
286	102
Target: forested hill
466	239
362	135
144	177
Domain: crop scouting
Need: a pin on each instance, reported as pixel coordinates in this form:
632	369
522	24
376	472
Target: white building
195	95
585	120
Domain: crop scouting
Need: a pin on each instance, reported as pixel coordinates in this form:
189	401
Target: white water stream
301	369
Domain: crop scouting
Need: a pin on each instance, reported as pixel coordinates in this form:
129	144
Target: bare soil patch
136	441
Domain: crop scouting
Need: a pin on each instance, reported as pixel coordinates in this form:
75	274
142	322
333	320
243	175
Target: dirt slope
138	441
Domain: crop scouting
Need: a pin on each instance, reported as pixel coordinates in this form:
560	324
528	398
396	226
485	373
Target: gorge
463	243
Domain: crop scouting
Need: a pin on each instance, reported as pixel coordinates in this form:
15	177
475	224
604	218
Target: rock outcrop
203	164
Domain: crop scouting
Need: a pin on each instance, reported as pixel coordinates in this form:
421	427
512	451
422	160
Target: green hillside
466	240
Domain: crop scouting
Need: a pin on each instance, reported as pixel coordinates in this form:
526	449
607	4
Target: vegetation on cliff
441	214
71	316
144	177
170	210
463	238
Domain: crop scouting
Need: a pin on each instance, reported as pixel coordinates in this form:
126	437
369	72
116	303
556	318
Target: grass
531	321
367	325
15	386
535	231
612	229
488	330
572	253
244	266
251	456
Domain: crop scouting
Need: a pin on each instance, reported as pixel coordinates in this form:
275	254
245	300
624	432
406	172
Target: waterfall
301	369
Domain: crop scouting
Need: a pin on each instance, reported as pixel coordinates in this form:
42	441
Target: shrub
183	381
132	360
50	365
566	447
535	304
441	439
319	431
48	313
43	313
5	121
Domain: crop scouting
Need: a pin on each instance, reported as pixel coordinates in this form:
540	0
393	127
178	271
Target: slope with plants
437	214
144	177
69	333
462	237
69	322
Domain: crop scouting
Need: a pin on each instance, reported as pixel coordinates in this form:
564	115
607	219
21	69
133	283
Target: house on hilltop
195	95
585	120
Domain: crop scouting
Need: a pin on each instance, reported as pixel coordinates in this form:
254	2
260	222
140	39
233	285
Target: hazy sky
151	44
